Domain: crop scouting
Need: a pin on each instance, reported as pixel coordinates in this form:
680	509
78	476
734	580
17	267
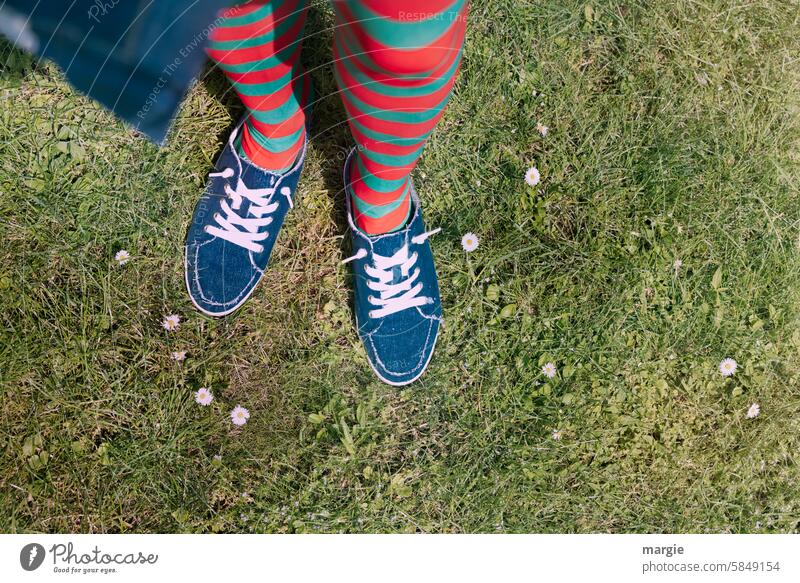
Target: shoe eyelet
205	230
371	313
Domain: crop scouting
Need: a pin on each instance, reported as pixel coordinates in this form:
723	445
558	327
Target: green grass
674	134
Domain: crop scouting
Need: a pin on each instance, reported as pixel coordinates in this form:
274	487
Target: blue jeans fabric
136	57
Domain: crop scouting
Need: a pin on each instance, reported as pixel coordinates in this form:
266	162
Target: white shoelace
259	208
380	273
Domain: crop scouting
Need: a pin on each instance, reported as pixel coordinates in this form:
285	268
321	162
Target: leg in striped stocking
395	62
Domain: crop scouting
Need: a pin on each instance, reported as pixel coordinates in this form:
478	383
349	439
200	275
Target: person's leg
257	45
395	62
248	195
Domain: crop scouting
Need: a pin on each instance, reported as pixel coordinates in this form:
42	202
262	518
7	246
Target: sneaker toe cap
399	357
219	276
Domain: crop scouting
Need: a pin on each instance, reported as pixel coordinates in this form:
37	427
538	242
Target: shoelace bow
259	208
404	294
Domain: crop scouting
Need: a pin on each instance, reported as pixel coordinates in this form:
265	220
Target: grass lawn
662	238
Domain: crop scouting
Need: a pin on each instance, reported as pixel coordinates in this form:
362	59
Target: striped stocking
395	62
257	45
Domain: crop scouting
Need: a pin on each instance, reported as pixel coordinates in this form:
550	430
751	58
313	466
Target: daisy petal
203	396
239	415
469	242
532	176
727	367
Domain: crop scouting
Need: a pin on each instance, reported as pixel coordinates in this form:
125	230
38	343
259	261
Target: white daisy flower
754	411
179	355
557	434
542	129
469	242
171	322
677	264
217	457
727	367
532	176
203	396
240	415
122	257
549	370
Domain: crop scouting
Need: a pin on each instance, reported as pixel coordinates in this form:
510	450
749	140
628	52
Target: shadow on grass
15	64
218	87
330	133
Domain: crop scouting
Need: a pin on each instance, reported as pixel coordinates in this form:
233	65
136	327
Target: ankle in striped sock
257	46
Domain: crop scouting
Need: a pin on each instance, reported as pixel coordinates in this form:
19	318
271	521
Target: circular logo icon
31	556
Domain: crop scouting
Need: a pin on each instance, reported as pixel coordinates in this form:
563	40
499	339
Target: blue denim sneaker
397	305
234	228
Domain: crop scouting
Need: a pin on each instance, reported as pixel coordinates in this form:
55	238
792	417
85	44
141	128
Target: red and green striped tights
395	63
